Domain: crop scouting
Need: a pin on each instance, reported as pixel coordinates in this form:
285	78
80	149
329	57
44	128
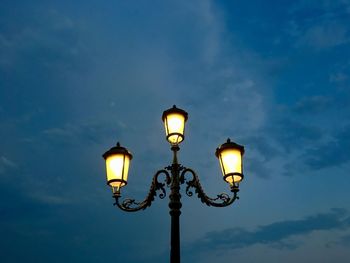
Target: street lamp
230	157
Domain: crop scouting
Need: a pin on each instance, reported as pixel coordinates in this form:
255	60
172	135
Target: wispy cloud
313	104
50	199
6	165
338	77
39	38
320	24
71	133
324	36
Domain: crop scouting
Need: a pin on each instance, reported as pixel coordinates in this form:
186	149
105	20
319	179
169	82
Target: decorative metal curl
224	198
130	205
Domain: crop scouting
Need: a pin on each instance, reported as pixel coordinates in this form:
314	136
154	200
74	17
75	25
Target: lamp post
230	158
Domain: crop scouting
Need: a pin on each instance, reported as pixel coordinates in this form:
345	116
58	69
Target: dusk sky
78	76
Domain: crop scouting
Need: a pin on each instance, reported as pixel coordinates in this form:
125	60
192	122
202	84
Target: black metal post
175	206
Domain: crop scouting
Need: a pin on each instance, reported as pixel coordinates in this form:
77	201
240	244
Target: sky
78	76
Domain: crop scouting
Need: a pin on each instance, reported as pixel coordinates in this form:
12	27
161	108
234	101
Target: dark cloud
330	154
314	104
292	133
258	168
263	145
305	135
320	26
345	240
274	152
275	234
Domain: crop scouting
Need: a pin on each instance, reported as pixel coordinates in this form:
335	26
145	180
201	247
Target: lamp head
230	156
174	122
117	166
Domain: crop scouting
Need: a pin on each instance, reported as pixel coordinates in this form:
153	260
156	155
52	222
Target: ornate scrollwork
130	205
224	199
221	200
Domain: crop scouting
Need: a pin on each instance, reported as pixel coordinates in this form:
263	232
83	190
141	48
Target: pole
175	206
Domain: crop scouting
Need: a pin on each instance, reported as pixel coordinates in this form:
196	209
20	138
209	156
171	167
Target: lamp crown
229	145
118	149
174	109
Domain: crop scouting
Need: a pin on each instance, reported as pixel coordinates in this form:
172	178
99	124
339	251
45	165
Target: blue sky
78	76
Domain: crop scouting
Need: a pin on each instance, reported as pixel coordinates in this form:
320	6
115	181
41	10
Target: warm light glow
174	127
231	164
117	166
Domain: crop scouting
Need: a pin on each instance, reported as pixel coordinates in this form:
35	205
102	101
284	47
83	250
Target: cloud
277	235
50	199
320	24
345	240
312	133
324	36
89	131
313	104
331	153
6	165
338	77
38	39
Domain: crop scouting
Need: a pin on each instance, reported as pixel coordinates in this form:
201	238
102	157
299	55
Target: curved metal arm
130	205
224	198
